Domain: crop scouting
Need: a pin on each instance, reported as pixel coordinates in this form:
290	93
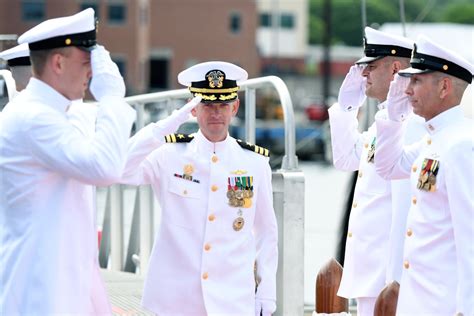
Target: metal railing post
116	227
250	114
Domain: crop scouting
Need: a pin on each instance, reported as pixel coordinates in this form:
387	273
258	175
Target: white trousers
365	306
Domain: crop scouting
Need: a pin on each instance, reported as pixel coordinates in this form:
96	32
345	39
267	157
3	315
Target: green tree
347	21
459	13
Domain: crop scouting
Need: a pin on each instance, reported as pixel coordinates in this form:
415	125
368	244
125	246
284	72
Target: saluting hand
398	103
171	123
352	91
106	78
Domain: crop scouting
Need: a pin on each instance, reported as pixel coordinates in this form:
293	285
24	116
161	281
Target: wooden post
327	284
386	303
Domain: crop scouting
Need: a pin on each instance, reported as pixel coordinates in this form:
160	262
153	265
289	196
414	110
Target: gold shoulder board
179	138
257	149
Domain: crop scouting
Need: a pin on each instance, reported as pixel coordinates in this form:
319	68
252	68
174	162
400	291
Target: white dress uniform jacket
401	201
368	259
48	245
201	265
438	274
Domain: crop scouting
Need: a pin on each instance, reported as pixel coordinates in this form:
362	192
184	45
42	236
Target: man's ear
445	86
396	67
193	111
57	63
235	107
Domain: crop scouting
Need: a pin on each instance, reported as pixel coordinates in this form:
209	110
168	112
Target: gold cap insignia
67	41
215	78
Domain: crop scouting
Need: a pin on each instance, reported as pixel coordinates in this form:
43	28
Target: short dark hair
39	58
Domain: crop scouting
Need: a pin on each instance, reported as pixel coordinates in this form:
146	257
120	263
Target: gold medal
239	194
247	203
424	177
432	179
230	194
238	223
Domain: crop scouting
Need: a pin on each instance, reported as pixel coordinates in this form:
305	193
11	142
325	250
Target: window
93	5
117	13
159	71
287	21
265	20
235	22
33	10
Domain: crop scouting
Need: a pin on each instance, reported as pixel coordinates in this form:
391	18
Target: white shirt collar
207	146
448	117
48	95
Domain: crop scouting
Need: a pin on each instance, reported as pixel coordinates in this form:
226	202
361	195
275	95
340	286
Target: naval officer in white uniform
216	197
48	239
379	206
438	267
19	66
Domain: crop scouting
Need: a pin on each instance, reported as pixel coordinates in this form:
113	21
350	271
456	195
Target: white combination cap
75	30
379	44
429	56
214	81
17	56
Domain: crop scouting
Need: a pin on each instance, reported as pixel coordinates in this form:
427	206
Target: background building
152	40
282	35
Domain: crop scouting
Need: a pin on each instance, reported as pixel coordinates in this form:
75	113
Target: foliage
346	16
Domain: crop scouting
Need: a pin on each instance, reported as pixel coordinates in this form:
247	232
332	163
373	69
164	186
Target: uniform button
360	174
428	141
366	145
185	192
211	217
354	205
207	247
414	168
215	159
413	200
349	234
459	314
214	188
406	264
205	276
409	232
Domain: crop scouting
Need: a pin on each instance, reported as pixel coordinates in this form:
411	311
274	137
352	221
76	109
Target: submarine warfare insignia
188	170
240	191
428	173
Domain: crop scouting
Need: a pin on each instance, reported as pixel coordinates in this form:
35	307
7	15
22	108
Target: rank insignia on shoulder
179	138
257	149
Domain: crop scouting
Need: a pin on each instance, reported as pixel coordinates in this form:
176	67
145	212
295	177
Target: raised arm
392	159
346	140
150	138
